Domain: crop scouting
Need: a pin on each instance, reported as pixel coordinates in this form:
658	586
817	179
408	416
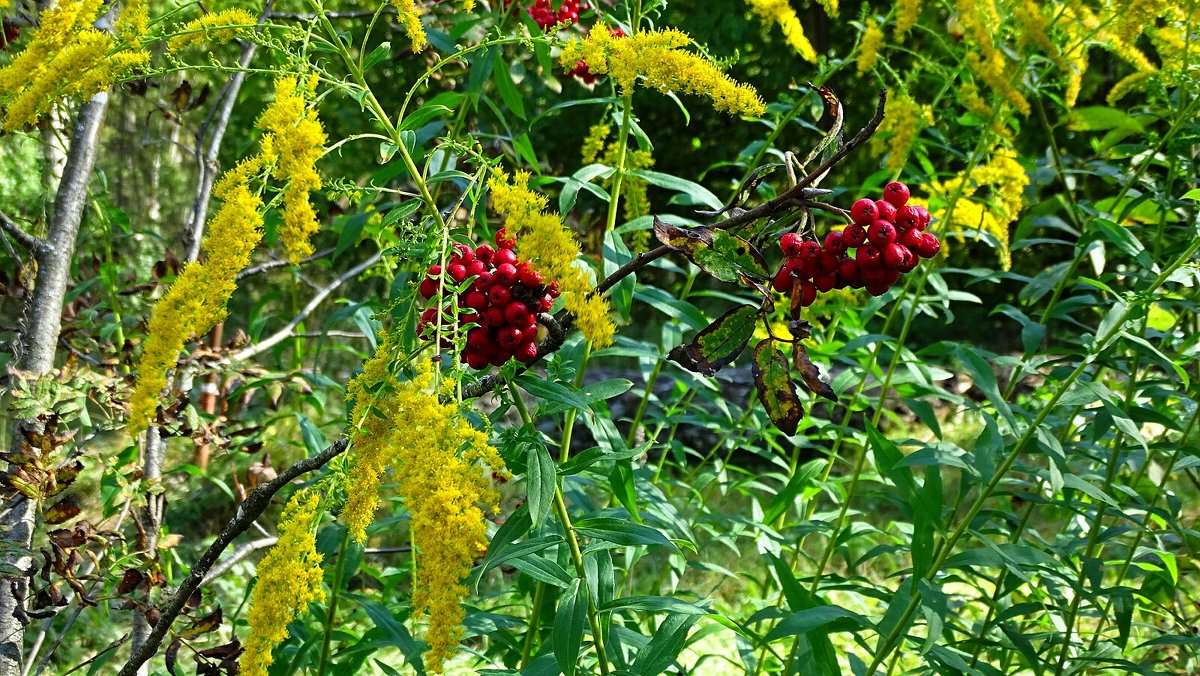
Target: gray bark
35	349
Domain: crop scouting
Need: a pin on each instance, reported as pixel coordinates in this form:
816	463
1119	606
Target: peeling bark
36	347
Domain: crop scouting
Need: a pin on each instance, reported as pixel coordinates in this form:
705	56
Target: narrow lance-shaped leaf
719	344
810	373
775	388
727	257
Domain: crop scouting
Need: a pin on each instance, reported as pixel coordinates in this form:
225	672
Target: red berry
493	316
457	272
808	294
428	288
825	282
881	233
545	303
930	245
784	281
854	234
848	270
483	282
476	268
476	359
872	274
476	300
834	243
894	256
508	337
499	296
530	277
911	238
890	276
484	253
864	212
504	240
809	250
908	217
910	262
790	244
465	252
867	256
826	263
799	268
504	275
478	338
887	212
504	256
878	288
896	193
552	289
516	313
924	215
526	352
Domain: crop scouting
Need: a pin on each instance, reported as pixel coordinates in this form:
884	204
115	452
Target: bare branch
279	263
251	508
288	330
241	552
34	244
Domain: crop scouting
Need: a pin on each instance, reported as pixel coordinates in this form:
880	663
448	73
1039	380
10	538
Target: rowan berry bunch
885	239
498	310
546	17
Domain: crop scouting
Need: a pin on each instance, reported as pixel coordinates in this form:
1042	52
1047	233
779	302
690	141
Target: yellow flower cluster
134	20
904	119
633	189
907	12
980	20
780	12
1005	179
289	578
436	457
658	61
552	249
410	17
215	28
66	56
196	301
868	53
294	141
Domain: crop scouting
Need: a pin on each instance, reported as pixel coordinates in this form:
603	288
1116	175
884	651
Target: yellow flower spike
214	28
781	12
289	579
553	251
1005	180
656	60
196	301
868	54
905	118
295	140
410	17
438	461
907	12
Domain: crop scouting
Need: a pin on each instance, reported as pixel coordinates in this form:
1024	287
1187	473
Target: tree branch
279	263
251	508
287	331
241	552
35	245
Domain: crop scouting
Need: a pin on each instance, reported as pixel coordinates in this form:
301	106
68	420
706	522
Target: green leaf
377	55
621	532
726	257
819	617
508	91
568	398
653	604
541	479
802	478
775	388
657	656
696	194
985	380
568	627
1102	118
718	344
314	440
542	569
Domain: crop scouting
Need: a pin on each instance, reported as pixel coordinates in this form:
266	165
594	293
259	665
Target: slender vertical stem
331	616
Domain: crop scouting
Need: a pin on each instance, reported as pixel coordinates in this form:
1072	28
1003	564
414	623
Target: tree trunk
36	348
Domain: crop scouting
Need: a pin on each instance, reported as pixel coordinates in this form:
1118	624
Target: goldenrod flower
214	28
410	17
65	57
907	12
780	12
132	23
633	189
437	459
552	249
196	301
868	53
656	59
294	141
1005	179
903	119
981	20
289	578
593	144
1127	84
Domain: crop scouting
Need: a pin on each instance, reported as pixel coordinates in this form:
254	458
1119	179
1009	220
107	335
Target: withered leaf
209	622
130	581
726	257
173	654
810	373
776	391
719	343
63	510
182	95
64	476
223	652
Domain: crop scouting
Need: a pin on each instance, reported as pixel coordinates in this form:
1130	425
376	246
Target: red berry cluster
500	306
543	14
889	237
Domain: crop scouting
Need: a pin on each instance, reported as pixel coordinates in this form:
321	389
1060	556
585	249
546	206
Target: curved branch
250	509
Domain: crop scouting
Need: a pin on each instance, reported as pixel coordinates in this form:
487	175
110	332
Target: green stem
622	152
539	597
331	615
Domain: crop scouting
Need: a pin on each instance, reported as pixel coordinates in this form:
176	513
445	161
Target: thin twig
287	331
241	552
279	263
35	244
250	509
